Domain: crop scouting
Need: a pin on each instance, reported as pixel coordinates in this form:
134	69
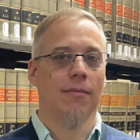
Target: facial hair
73	119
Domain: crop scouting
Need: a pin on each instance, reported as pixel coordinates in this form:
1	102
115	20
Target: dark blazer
27	132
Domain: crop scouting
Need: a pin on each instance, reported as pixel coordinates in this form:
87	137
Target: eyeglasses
62	59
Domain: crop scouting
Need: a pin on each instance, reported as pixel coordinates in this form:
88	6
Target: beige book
22	97
126	28
26	22
113	102
35	16
122	91
10	100
135	14
52	6
92	7
108	25
117	14
4	20
75	3
44	9
105	102
63	4
14	21
33	99
129	114
2	100
100	11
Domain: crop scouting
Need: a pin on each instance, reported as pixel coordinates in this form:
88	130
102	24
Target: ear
32	72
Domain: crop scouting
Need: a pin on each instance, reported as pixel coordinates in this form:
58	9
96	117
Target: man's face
76	87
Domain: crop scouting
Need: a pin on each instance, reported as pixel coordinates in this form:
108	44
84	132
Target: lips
76	92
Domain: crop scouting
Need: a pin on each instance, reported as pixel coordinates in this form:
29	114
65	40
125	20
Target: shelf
15	47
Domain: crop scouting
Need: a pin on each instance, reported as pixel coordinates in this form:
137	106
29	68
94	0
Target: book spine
35	16
14	21
44	9
2	100
92	7
117	12
105	102
75	3
82	4
108	25
10	100
113	102
22	98
4	20
139	34
33	99
26	22
63	4
52	6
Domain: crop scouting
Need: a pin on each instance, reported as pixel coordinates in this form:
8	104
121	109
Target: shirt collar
44	134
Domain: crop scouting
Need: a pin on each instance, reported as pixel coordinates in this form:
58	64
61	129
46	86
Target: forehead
76	34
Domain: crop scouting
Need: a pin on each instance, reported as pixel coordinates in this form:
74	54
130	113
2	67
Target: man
68	67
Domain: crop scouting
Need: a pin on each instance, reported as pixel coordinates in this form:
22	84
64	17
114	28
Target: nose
78	69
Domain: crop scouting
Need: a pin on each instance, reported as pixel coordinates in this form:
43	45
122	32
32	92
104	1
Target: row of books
20	18
18	99
120	105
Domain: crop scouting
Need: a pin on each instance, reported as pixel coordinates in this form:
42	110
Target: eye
62	56
93	57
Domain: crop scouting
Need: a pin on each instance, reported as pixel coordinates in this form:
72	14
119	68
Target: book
108	25
135	14
75	3
44	9
33	99
14	21
139	35
63	4
52	6
126	29
35	16
4	20
92	7
10	100
105	102
26	22
23	89
2	100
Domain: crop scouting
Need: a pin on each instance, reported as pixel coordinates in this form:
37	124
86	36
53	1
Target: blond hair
64	14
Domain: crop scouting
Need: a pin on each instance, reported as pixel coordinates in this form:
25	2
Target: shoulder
109	133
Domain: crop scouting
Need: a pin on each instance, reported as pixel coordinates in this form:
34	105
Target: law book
26	22
105	102
52	6
33	99
117	13
2	100
108	25
121	107
14	21
100	11
63	4
35	16
138	113
139	35
129	114
10	100
44	9
126	28
4	20
23	90
92	7
135	14
113	102
75	3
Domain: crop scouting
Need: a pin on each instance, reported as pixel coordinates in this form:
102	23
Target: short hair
63	14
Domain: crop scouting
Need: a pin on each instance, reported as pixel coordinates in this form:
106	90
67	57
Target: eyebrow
93	48
61	48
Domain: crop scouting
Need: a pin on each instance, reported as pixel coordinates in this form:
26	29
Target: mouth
76	92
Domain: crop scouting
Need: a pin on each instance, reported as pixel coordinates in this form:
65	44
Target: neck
53	123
